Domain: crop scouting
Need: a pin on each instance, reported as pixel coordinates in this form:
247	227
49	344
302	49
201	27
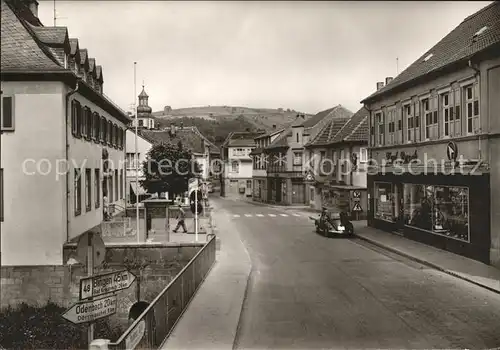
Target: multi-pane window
110	191
109	135
381	126
88	190
447	113
429	110
399	133
89	121
83	122
471	93
410	127
78	192
297	158
416	120
74	117
363	155
97	126
104	126
235	167
391	115
97	188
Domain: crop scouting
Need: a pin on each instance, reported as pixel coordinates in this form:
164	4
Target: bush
43	327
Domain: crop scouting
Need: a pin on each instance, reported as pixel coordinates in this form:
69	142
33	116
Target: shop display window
384	201
442	210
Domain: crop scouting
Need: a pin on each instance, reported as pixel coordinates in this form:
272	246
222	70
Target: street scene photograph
188	175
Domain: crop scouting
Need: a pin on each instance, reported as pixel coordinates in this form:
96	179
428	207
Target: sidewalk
211	319
456	265
282	207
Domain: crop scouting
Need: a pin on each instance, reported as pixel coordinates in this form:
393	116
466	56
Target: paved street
307	291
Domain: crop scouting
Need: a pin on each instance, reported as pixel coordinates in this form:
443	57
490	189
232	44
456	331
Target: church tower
144	116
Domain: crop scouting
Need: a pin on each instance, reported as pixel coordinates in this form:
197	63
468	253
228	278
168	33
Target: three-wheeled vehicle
333	224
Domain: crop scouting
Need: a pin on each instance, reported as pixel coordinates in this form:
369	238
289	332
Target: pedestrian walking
180	220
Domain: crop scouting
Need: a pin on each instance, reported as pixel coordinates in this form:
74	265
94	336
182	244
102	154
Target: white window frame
446	111
363	155
298	155
409	135
379	120
13	111
475	119
391	118
235	169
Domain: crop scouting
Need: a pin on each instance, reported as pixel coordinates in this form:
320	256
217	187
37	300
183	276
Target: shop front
259	190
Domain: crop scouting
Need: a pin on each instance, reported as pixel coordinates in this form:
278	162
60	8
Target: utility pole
55	16
136	160
397	65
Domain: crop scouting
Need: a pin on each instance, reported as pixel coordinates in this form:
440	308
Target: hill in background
216	122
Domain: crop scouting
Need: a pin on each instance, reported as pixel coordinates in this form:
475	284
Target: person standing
180	217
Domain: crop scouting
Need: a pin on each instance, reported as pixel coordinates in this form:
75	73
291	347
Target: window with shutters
372	130
447	114
457	112
416	120
83	122
97	188
109	135
117	185
78	192
103	130
74	117
429	111
88	190
79	119
410	127
97	126
7	120
399	126
471	96
381	126
90	128
391	118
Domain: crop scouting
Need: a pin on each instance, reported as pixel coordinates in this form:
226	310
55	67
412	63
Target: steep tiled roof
344	129
460	44
241	138
335	112
269	133
190	137
328	133
355	129
20	50
51	35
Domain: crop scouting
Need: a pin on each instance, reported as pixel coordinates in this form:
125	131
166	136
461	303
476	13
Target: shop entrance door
398	203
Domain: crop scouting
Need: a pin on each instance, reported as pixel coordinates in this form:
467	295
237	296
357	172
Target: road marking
236	215
296	215
283	214
272	215
260	215
248	215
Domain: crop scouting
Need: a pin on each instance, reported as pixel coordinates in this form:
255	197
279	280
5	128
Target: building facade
238	166
287	157
434	146
259	172
135	190
62	142
337	158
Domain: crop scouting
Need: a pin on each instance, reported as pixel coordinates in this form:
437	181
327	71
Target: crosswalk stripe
272	215
296	215
283	214
248	215
236	215
260	215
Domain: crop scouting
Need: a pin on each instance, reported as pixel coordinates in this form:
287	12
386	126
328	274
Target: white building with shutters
62	143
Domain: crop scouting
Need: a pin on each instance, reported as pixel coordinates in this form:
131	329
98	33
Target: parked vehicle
333	224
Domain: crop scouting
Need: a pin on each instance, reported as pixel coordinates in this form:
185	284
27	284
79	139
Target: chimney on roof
33	6
388	80
380	85
274	126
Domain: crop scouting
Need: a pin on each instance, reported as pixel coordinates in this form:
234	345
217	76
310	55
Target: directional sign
135	336
452	151
89	311
357	207
356	194
95	286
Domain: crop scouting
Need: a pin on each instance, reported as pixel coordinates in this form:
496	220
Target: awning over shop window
137	189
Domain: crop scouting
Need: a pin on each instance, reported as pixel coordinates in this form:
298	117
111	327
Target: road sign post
90	272
91	310
94	286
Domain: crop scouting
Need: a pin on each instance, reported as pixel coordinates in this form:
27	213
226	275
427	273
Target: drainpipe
477	73
68	95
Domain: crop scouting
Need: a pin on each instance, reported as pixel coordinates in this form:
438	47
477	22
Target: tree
168	168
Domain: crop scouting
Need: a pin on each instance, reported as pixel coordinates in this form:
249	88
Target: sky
307	56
